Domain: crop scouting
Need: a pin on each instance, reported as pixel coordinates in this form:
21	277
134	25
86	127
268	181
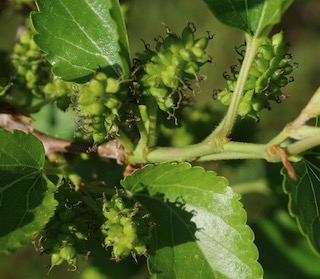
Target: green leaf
304	197
26	195
255	17
81	37
200	229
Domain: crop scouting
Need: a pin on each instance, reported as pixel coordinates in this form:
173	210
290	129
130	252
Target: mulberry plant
111	187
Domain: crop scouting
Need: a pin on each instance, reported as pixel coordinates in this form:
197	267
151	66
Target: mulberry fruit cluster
31	70
125	229
269	73
30	81
97	103
166	73
64	237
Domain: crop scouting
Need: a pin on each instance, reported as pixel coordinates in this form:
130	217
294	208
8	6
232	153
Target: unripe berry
186	54
140	250
261	83
267	76
56	259
121	251
225	97
261	65
191	68
281	81
201	42
187	36
68	252
96	88
129	230
287	69
169	80
168	72
266	52
113	86
159	92
245	104
277	39
173	43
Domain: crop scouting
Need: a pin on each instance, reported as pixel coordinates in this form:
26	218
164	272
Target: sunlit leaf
82	37
200	226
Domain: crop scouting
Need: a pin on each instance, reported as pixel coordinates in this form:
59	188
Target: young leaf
200	229
304	197
26	195
81	37
251	16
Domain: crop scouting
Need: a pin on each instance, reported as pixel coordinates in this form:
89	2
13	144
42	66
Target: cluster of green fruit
65	235
125	229
30	81
97	103
166	73
61	91
268	74
31	68
29	72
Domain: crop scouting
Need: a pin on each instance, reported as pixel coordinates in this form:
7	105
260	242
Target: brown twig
112	149
275	149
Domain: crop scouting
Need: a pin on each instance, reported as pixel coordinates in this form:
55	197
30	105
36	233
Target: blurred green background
284	253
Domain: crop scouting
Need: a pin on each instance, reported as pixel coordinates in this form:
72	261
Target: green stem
229	156
304	144
125	141
256	186
238	150
281	137
143	142
209	151
153	128
212	150
227	124
140	149
189	152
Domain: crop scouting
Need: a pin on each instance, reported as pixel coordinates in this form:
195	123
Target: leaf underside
81	37
255	17
26	195
200	229
304	197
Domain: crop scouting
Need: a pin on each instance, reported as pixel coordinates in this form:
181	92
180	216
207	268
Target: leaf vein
90	39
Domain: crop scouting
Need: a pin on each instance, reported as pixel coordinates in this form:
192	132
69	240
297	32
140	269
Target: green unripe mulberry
65	236
97	103
68	252
167	73
187	36
121	228
267	76
56	259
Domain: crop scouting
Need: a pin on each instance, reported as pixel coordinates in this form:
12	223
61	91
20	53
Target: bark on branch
111	149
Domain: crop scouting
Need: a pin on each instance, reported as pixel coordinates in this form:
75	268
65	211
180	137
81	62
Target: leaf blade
80	37
26	195
251	16
193	210
304	197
